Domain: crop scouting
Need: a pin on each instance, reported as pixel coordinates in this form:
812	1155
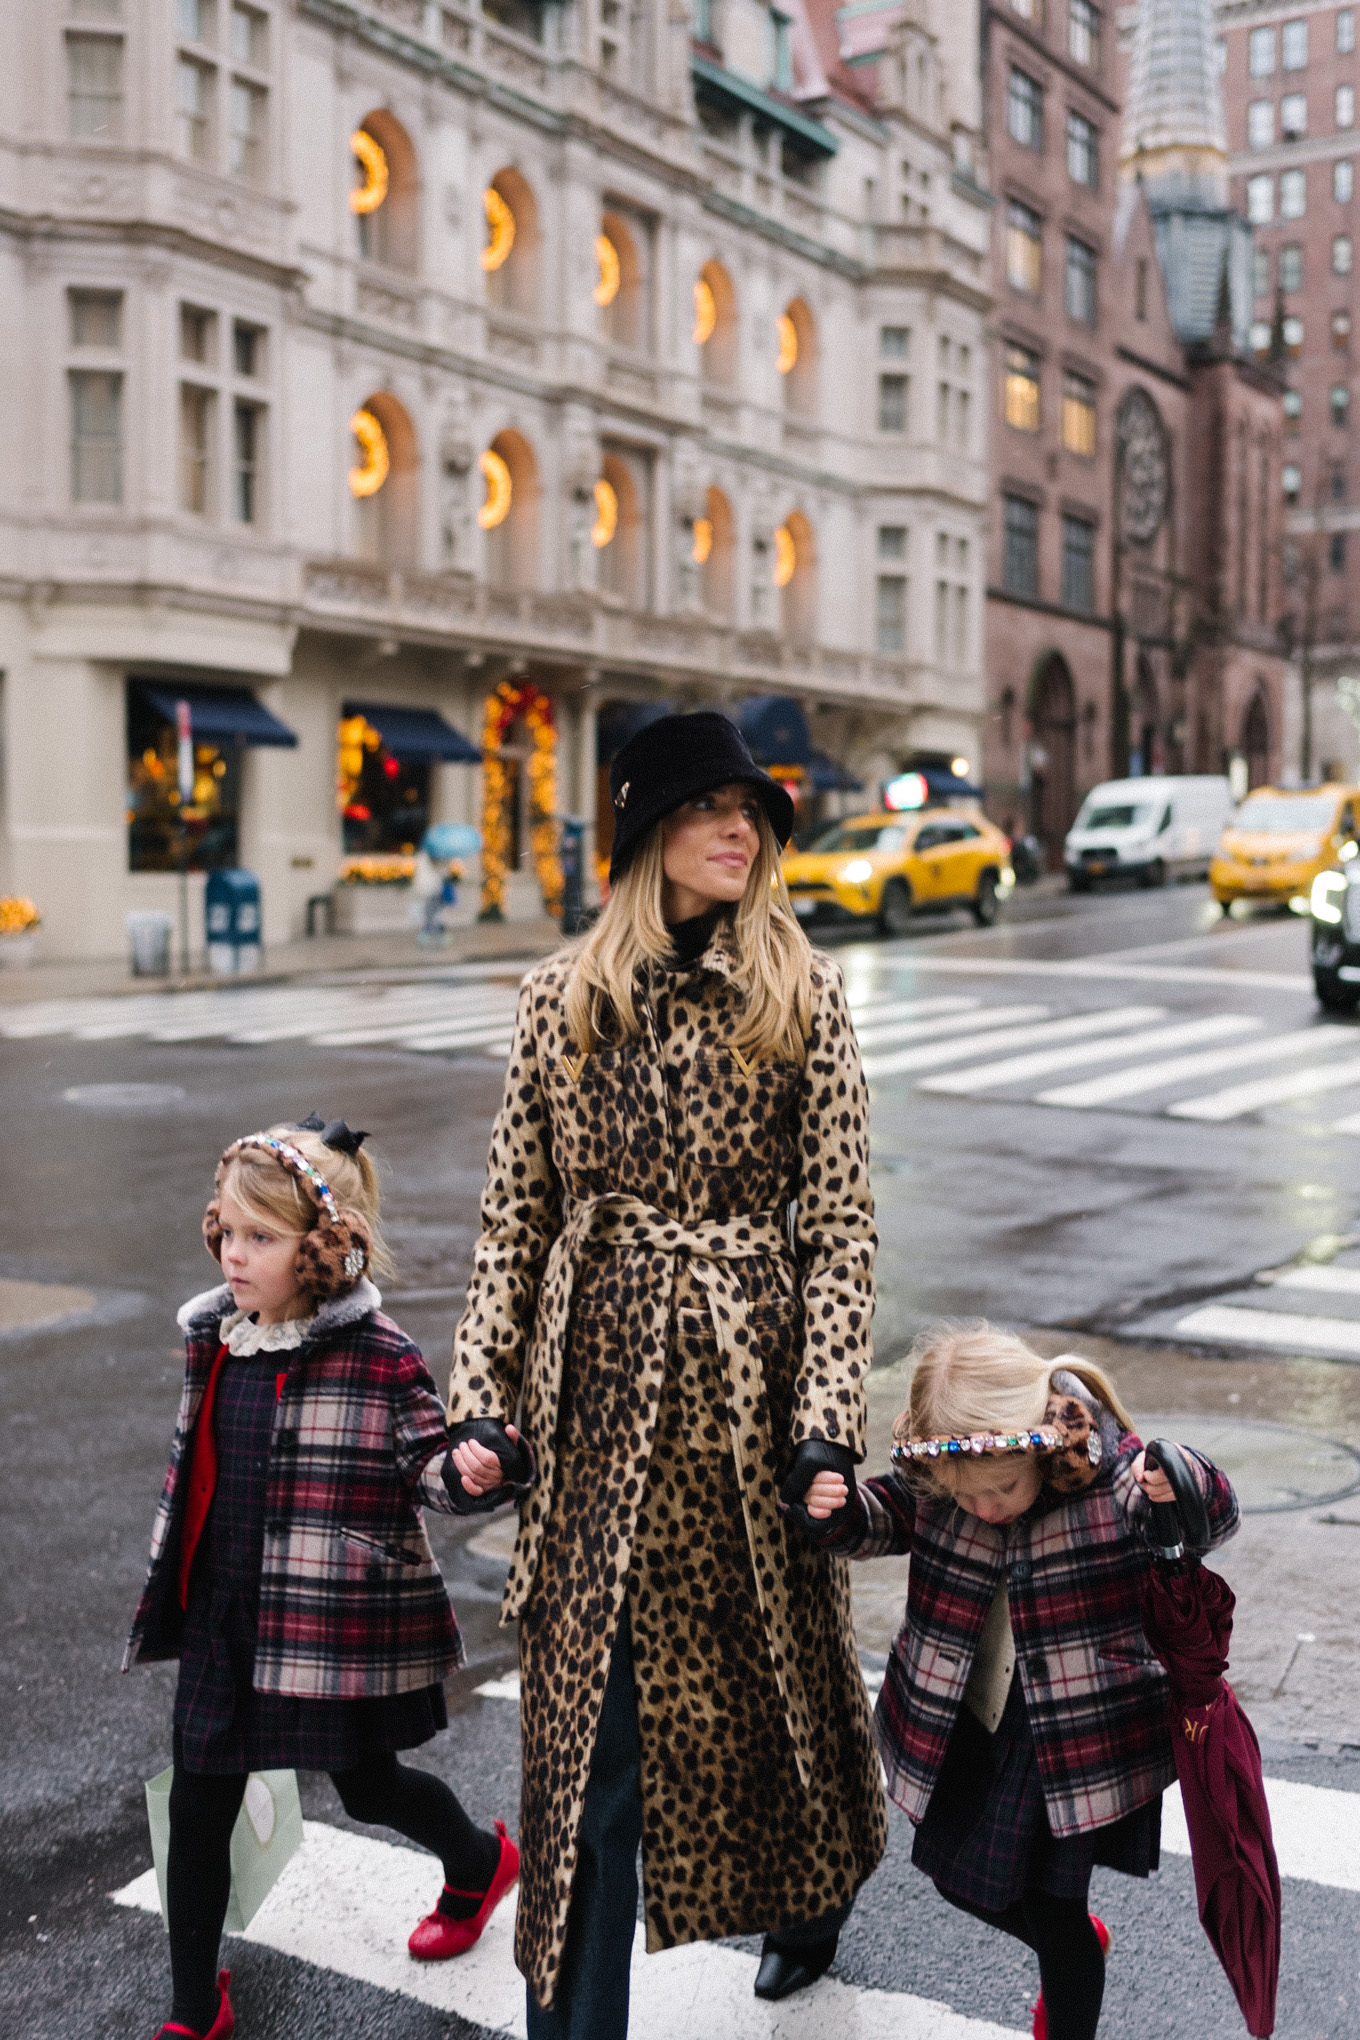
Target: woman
672	1291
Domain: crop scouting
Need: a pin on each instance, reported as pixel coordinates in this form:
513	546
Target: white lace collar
242	1336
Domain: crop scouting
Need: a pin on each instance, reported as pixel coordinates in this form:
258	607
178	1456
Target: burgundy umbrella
1187	1619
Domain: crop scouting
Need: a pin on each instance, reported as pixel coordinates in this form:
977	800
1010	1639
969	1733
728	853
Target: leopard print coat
674	1286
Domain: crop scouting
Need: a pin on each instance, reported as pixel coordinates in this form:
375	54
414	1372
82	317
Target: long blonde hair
630	939
272	1195
972	1377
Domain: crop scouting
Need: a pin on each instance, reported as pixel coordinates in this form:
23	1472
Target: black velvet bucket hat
674	760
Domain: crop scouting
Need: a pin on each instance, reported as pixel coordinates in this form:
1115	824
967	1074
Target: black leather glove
814	1456
517	1465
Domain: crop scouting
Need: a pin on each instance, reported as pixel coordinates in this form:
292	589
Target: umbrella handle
1179	1528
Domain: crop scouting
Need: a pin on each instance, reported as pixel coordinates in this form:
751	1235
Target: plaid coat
1074	1567
352	1605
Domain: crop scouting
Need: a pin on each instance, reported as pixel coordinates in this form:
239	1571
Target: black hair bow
334	1133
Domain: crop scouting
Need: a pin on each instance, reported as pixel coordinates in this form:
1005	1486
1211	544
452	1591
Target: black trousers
591	2000
203	1809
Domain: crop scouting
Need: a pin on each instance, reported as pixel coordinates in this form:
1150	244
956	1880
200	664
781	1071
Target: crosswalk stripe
1020	1069
875	1011
1330	1281
1239	1099
1350	1124
346	1903
1181	1069
975	1040
1237	1325
876	1038
414	1026
1315	1828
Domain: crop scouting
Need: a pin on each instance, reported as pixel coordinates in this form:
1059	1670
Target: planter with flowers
19	923
374	894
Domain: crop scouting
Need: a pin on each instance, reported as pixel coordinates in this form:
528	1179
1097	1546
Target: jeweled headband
293	1159
980	1443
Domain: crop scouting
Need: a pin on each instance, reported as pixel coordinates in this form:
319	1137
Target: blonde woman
669	1318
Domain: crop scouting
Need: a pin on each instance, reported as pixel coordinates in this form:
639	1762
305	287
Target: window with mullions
1079	415
1020	391
1025	109
892	403
1083	151
94	87
209	820
1260	123
96	436
249	432
1294	46
1261	53
1024	249
1020	564
890	621
1081	282
1343	181
1261	199
1079	564
1083	33
1291	266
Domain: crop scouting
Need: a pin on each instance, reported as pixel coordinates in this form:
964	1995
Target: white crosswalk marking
1184	1069
1240	1099
1233	1324
1109	1020
346	1903
874	1012
1330	1281
1020	1069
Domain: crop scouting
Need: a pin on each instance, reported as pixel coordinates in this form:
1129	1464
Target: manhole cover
125	1097
1272	1466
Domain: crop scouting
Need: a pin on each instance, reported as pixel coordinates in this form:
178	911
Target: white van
1153	828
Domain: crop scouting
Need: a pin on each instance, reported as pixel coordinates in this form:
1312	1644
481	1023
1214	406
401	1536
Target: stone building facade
1291	83
1134	570
410	367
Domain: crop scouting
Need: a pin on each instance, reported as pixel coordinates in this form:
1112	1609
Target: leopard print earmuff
335	1253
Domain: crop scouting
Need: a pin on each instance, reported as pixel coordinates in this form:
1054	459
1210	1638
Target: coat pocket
740	1118
601	1402
365	1551
590	1105
701	1372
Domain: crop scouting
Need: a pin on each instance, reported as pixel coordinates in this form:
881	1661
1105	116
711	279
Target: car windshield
857	836
1130	817
1291	815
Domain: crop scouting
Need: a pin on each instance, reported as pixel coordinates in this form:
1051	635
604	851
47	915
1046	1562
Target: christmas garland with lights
513	699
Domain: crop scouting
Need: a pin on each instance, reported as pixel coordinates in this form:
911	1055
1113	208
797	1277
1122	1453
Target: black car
1335	907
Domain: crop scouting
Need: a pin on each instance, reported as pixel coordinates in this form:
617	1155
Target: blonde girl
671	1298
1023	1719
290	1570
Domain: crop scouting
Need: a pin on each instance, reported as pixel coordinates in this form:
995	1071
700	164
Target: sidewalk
317	956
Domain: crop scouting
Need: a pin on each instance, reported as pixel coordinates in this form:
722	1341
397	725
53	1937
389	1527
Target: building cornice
172	240
1153	368
1042	608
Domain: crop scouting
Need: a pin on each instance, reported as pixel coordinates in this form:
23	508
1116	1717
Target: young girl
1023	1720
290	1570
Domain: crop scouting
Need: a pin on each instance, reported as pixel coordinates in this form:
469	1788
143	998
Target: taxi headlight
856	871
1325	899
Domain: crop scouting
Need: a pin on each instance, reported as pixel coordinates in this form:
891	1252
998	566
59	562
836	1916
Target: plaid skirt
225	1726
985	1837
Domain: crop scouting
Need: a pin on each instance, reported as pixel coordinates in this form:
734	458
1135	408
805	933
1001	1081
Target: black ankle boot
783	1971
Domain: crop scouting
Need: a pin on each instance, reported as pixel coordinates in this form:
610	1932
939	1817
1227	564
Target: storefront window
384	800
155	820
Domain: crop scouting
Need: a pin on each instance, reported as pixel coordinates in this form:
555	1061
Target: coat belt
624	1222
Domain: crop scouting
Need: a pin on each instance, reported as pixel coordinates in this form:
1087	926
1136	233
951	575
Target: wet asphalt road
1104	1223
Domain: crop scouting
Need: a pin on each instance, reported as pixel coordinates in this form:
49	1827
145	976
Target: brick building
1133	576
1290	78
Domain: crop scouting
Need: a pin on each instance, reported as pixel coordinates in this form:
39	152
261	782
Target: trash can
231	907
149	935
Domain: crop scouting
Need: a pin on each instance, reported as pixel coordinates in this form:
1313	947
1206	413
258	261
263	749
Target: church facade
1134	574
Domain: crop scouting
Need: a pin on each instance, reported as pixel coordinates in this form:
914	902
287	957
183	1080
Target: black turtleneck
691	938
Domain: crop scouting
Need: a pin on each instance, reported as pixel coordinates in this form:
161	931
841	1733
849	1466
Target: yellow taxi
1278	842
884	867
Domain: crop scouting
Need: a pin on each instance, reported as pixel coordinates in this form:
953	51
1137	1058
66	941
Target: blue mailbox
231	907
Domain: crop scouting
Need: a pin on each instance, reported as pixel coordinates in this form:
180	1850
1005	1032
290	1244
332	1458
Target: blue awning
218	715
416	732
619	720
776	730
827	776
942	784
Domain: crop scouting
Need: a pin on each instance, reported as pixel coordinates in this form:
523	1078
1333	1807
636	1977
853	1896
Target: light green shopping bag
268	1832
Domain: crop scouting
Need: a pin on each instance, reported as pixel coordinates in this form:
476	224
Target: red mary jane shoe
222	2025
438	1937
1106	1939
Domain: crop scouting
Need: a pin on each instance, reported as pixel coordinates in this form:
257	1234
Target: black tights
1071	1965
203	1809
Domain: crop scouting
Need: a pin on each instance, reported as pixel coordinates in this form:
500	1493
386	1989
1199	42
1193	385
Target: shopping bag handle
1180	1529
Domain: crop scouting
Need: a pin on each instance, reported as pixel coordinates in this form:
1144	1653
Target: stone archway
1053	754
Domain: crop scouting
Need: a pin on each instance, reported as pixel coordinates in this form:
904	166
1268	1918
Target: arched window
385	197
509	511
621	282
795	575
715	554
796	335
619	530
510	249
715	325
1053	754
384	480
